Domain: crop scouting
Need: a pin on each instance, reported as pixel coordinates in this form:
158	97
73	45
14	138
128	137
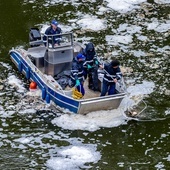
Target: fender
28	73
43	93
47	98
20	66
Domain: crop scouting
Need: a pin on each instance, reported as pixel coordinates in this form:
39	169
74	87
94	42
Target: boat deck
88	92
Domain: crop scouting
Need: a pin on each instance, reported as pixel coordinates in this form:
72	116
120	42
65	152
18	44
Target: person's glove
89	66
96	62
77	82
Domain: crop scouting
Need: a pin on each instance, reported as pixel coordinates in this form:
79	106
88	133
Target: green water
142	144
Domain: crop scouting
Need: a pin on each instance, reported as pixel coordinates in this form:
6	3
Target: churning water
34	135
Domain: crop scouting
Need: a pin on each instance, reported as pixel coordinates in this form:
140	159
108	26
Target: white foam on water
90	122
123	34
93	23
142	38
157	26
124	6
121	6
1	108
168	158
141	89
5	65
74	157
89	22
136	93
34	93
128	29
138	53
160	165
102	9
162	1
27	111
5	114
110	118
24	140
16	83
70	157
167	112
119	39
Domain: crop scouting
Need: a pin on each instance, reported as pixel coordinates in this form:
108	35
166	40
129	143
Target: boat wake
131	108
31	102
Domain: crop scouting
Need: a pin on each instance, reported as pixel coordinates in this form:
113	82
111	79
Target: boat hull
58	96
100	103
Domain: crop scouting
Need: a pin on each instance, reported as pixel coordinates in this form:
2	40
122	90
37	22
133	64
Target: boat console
54	58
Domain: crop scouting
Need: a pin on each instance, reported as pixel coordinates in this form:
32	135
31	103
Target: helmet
54	22
80	56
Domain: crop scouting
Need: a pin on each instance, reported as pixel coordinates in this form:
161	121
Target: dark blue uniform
108	79
77	71
90	54
52	39
91	66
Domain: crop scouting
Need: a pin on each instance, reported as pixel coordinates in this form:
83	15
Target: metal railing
59	40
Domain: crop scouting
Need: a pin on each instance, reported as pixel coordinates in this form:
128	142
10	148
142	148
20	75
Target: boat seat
37	52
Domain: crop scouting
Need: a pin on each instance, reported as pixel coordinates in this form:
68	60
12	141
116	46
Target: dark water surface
36	136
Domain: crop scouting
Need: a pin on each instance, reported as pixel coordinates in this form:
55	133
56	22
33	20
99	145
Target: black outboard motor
35	37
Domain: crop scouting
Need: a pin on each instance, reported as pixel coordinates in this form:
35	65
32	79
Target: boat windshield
59	40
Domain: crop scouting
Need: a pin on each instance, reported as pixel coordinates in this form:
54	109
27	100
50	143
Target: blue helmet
81	56
54	22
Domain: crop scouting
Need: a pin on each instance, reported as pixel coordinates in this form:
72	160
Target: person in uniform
112	74
91	65
52	30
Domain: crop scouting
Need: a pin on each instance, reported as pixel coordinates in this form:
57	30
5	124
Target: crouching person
112	74
77	73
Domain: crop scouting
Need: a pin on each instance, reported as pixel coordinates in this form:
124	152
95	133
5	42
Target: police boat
49	67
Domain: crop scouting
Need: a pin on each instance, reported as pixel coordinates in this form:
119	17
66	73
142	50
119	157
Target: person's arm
58	37
118	74
102	66
85	64
59	31
45	36
75	70
96	60
75	74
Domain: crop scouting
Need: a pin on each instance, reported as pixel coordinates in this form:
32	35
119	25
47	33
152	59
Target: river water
34	135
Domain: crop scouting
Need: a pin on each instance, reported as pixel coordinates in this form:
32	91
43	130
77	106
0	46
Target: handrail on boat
65	39
35	69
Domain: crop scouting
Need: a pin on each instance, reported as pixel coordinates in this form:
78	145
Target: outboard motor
35	37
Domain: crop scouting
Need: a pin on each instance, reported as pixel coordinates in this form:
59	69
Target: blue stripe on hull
59	99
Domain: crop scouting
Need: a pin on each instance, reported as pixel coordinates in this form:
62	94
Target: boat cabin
53	58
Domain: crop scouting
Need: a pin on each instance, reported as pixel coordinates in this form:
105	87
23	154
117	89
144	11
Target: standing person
111	76
91	66
77	72
52	30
